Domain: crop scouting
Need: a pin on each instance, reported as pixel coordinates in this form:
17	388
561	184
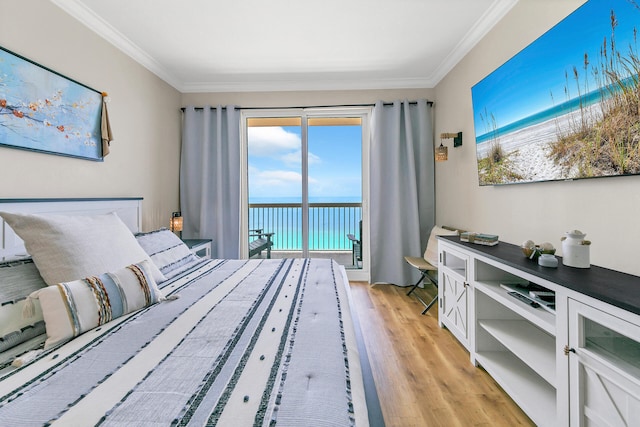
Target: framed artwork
566	106
44	111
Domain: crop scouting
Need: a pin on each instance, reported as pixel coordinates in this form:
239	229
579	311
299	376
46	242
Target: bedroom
144	159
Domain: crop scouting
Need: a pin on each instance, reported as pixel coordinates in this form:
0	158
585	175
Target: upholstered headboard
11	246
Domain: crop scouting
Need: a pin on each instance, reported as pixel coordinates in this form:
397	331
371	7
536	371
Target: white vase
575	250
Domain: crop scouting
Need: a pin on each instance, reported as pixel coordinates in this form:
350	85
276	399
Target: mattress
237	342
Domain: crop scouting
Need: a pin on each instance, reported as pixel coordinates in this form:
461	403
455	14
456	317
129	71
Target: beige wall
144	114
607	209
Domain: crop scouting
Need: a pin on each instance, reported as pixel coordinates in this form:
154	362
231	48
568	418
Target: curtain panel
402	210
210	177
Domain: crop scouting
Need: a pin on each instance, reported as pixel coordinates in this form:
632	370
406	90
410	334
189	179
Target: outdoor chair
356	247
428	264
261	241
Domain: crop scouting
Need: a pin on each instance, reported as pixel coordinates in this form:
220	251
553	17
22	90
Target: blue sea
328	226
551	113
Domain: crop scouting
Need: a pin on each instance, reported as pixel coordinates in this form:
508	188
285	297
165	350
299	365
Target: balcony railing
329	224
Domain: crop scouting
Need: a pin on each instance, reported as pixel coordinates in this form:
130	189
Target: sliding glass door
304	183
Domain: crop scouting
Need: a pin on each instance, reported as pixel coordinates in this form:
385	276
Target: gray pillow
167	252
17	280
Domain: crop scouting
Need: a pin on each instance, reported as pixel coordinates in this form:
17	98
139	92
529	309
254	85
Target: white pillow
66	248
72	308
431	254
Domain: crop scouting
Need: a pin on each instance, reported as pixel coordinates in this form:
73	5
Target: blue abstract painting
43	111
568	105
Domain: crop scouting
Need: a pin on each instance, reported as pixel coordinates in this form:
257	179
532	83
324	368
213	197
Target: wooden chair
261	242
428	264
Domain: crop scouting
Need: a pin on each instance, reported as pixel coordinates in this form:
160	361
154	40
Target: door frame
364	112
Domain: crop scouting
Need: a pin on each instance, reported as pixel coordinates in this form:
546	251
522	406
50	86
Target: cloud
295	158
278	178
271	140
276	183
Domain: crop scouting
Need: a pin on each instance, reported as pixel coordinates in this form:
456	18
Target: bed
186	341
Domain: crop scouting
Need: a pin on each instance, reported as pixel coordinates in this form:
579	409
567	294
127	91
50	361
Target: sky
335	163
523	85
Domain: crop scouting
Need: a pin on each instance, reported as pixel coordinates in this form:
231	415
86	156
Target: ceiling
275	45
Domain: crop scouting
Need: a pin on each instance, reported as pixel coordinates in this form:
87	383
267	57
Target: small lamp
176	223
442	151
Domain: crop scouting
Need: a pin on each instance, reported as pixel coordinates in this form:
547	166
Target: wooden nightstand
200	247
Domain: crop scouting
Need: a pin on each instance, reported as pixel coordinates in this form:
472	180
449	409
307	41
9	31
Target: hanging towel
105	127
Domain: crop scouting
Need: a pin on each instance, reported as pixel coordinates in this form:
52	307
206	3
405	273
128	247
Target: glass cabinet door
604	368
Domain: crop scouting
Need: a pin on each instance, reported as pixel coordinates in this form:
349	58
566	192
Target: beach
528	149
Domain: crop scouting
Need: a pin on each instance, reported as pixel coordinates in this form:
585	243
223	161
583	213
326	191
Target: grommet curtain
210	178
402	210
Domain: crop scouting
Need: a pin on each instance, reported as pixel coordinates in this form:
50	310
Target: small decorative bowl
534	253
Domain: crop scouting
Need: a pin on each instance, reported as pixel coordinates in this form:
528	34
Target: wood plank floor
423	375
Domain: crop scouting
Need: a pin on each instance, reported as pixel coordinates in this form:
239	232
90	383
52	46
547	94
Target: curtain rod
430	103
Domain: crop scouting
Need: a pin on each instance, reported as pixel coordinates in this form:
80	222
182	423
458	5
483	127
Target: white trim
86	16
489	19
363	274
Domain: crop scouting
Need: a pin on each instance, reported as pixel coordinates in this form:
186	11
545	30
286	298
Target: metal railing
329	224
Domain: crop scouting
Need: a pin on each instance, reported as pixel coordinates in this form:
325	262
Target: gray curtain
402	188
210	178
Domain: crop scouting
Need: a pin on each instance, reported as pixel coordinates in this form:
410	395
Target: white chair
428	264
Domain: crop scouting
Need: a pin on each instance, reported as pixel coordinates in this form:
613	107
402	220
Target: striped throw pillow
72	308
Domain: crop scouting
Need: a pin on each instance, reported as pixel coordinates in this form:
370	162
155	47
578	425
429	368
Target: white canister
575	250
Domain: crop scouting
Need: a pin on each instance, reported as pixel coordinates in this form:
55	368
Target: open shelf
532	393
530	344
515	343
539	316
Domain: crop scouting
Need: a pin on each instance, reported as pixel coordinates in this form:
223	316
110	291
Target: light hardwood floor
423	375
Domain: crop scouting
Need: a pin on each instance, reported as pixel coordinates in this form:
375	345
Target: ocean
328	225
559	110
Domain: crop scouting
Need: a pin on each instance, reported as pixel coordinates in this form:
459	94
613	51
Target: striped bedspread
247	343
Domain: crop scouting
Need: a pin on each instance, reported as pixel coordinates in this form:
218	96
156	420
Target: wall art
568	105
44	111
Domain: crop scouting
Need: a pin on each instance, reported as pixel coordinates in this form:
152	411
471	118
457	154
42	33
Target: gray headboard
11	246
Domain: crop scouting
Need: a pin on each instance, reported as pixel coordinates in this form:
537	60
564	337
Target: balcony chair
428	264
356	247
262	241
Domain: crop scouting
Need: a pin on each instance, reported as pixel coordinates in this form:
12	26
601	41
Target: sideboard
577	364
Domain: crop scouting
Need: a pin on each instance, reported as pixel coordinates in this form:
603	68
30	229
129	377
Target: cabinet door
604	368
455	305
453	293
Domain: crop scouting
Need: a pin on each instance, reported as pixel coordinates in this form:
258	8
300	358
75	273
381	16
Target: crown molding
87	17
487	21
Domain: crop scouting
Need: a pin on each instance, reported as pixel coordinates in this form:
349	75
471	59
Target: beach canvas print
41	110
568	105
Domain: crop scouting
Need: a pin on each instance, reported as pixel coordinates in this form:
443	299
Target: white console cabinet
578	365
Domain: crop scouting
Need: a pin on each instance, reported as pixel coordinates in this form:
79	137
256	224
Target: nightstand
200	247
